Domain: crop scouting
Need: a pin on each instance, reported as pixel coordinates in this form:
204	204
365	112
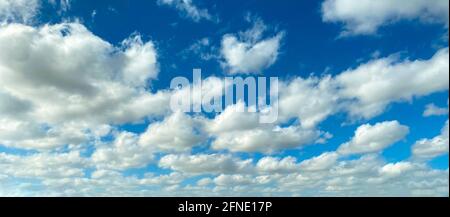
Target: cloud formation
368	16
188	9
248	52
79	114
373	138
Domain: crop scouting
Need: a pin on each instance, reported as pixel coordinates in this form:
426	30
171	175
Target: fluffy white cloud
233	118
178	132
38	136
271	165
233	180
363	92
321	162
367	175
64	91
206	164
366	164
112	183
430	148
379	82
211	88
43	165
123	153
239	131
311	100
367	16
374	138
249	52
59	75
188	9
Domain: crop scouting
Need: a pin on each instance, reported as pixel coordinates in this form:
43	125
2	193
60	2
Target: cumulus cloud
430	148
233	180
63	74
241	132
363	92
123	153
321	162
367	175
374	138
368	16
273	165
65	93
188	9
43	165
177	133
248	52
375	84
64	5
311	100
265	140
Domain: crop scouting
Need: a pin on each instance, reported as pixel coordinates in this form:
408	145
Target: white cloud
367	16
366	164
367	175
391	171
18	10
363	92
211	88
188	9
61	75
177	133
249	52
63	88
37	136
206	164
430	148
204	181
43	165
239	131
265	139
432	110
233	118
123	153
233	180
311	100
64	5
321	162
140	62
272	165
373	85
374	138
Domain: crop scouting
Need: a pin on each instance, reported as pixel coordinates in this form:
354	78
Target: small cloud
433	110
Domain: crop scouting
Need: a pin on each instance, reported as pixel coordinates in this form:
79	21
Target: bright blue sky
310	47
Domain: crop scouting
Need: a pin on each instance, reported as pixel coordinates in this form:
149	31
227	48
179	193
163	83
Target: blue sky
148	150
